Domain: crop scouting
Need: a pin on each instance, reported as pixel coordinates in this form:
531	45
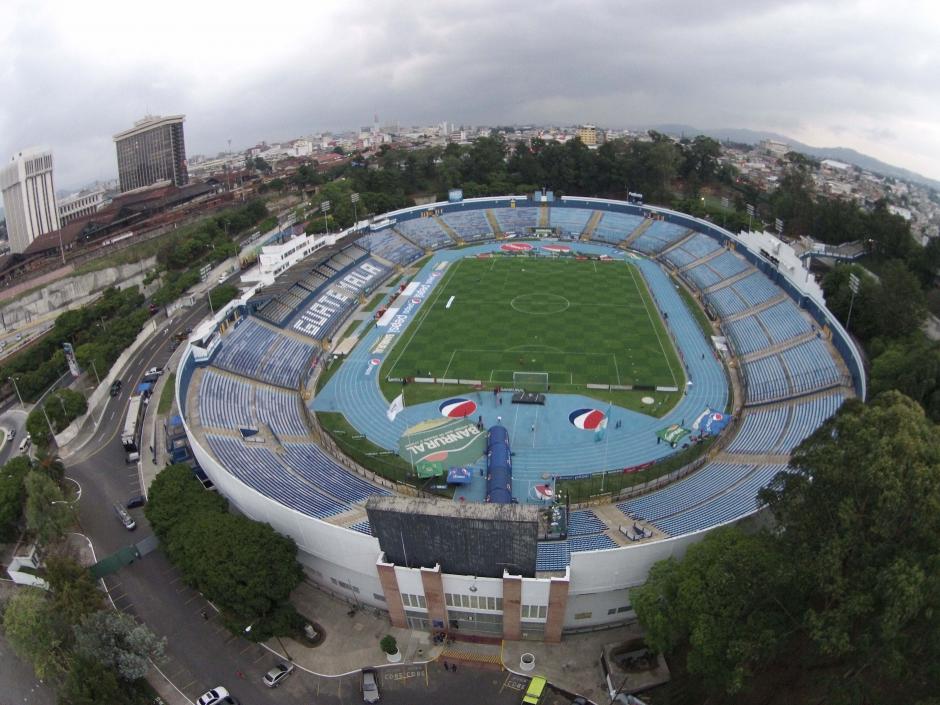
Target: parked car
11	434
126	519
136	502
115	388
369	686
276	675
214	696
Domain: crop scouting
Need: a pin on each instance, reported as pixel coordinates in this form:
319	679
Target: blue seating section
811	366
593	542
744	294
766	379
281	411
747	335
259	469
658	236
315	466
784	321
469	225
388	245
728	506
728	264
760	431
256	351
690	250
552	555
426	232
363	527
704	276
519	220
806	418
616	227
584	522
569	220
224	402
697	488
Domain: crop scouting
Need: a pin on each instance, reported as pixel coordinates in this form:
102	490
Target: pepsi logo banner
516	247
586	419
457	408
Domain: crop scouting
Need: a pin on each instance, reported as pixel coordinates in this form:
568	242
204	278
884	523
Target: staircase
494	223
447	229
588	231
639	230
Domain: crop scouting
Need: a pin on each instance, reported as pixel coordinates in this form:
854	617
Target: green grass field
579	321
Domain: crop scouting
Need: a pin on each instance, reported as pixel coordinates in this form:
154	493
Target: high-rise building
153	150
588	135
29	197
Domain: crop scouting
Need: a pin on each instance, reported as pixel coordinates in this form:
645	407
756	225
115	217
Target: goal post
530	381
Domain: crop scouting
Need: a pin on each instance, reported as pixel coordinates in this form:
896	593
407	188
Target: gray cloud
860	73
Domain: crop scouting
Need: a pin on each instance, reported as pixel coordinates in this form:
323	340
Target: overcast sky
856	74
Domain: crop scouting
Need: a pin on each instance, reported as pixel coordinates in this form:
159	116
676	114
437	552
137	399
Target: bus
133	424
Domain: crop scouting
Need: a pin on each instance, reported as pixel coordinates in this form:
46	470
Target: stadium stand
616	227
743	294
658	236
584	522
320	470
766	380
784	321
571	221
363	527
593	542
699	487
737	501
552	555
760	431
747	335
518	220
806	418
224	402
259	469
388	245
810	366
425	232
280	410
693	248
469	225
259	352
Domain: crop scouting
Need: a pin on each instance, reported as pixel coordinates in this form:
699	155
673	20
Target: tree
89	682
50	465
116	640
74	593
727	600
860	525
241	564
12	495
47	513
31	627
174	494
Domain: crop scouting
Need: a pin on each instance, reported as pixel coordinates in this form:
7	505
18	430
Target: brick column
396	610
512	607
557	603
433	586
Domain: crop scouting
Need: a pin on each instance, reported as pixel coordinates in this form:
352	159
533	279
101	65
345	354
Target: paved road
14	419
18	683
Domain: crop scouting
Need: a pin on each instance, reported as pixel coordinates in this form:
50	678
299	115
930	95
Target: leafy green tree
116	640
74	592
12	495
244	565
860	525
727	600
222	294
901	303
32	628
50	465
174	494
47	514
89	682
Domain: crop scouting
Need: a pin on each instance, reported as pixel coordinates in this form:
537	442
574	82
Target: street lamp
17	390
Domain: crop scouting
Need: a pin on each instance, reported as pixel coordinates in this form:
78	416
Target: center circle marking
540	304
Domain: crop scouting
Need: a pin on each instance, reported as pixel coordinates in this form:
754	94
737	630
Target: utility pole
17	390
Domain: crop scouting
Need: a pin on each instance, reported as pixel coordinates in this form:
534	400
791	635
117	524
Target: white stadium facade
245	384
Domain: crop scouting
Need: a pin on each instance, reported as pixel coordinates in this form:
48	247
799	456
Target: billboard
432	447
455	195
70	359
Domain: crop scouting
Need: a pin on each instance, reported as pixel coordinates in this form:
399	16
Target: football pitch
580	321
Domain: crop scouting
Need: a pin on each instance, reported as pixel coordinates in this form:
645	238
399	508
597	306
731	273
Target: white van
25	443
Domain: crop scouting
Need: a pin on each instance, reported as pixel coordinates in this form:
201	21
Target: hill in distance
842	154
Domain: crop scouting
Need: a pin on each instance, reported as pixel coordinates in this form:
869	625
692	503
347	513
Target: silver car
370	686
273	678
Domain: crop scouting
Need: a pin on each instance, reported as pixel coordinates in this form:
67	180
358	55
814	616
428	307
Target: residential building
29	197
152	151
588	135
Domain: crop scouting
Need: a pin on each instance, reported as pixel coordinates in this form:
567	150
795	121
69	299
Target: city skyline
850	74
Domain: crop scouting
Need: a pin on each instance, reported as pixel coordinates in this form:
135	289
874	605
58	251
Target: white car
216	695
154	371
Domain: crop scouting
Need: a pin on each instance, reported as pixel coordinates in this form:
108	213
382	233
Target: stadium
521	344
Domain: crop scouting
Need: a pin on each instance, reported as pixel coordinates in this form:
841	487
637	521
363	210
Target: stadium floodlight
325	208
750	215
854	285
354	197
